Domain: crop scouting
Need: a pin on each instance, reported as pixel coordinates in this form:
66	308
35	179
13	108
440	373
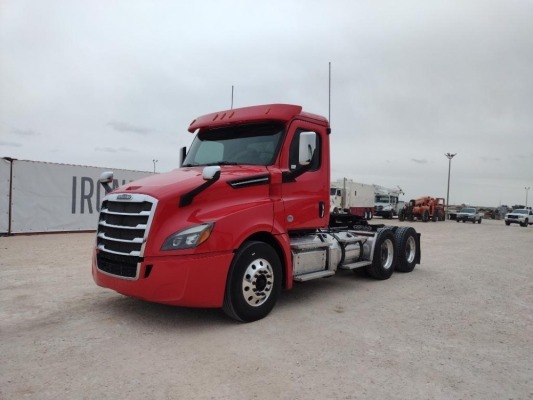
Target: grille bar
105	237
120	253
142	213
140	226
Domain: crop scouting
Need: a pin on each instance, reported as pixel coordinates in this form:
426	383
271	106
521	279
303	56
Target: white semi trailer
349	197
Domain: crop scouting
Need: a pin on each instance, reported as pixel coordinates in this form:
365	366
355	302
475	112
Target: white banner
49	197
5	179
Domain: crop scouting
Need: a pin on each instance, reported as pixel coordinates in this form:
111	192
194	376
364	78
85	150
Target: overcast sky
116	83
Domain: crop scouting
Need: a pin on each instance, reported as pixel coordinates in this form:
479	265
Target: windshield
382	199
255	144
521	211
468	210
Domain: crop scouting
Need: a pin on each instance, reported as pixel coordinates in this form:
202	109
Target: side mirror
209	173
183	153
105	179
307	148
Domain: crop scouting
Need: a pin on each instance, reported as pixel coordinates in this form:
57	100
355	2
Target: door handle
321	209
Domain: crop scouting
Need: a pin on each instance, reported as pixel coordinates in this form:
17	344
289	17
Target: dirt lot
460	326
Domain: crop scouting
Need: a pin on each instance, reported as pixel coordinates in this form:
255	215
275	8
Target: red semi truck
245	215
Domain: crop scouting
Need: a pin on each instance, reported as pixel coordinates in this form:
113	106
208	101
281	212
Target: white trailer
387	201
349	197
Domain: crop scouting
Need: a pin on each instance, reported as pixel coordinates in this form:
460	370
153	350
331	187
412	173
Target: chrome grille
122	231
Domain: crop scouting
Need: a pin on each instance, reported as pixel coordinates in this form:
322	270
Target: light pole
155	162
450	156
527	190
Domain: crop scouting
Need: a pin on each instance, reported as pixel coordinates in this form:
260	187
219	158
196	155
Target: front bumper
191	281
515	221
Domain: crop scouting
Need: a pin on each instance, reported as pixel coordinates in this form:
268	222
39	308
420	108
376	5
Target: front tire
384	257
425	216
401	216
254	282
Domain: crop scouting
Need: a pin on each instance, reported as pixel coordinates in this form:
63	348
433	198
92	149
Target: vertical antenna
232	97
329	95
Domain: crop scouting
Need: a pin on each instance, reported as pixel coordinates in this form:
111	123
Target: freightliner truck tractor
244	216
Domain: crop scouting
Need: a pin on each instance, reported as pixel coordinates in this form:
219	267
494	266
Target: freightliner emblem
124	197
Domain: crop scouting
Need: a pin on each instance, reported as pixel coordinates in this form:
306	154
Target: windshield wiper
211	164
223	163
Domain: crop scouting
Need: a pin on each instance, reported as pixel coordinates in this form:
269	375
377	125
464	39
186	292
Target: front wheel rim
257	282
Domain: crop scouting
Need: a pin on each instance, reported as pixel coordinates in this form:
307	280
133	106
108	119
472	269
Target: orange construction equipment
424	209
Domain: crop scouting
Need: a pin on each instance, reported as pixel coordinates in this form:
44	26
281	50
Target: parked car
468	214
520	216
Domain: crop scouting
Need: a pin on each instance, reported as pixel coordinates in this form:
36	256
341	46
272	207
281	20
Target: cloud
423	161
114	150
10	144
25	132
127	127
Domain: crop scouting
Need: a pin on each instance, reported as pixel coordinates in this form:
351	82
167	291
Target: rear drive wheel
425	216
406	247
254	282
384	257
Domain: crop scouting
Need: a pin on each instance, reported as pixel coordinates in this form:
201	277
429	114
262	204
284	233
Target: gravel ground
460	326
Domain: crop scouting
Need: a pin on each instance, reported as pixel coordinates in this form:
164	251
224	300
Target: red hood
183	180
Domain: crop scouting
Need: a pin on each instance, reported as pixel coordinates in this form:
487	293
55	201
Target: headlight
188	238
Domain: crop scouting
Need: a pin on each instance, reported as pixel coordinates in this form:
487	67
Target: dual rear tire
397	250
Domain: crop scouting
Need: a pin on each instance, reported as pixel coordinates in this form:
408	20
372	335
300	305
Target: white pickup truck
522	216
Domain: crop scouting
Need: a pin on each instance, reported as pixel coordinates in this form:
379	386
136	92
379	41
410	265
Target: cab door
305	188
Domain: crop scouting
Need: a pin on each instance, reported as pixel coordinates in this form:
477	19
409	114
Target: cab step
355	265
313	275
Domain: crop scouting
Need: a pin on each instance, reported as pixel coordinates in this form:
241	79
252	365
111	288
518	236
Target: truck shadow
144	314
114	307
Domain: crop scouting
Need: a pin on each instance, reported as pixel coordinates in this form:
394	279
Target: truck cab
387	205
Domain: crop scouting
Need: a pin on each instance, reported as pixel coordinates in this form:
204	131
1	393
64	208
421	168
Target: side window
295	147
